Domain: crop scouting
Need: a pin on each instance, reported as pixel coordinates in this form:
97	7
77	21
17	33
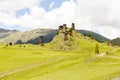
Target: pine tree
97	49
10	43
85	34
89	35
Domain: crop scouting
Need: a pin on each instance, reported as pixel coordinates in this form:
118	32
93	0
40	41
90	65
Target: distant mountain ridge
4	30
31	36
94	35
4	33
115	41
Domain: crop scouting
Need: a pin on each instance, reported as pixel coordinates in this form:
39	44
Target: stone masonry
63	29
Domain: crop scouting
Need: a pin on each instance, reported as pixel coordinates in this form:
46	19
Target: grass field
41	63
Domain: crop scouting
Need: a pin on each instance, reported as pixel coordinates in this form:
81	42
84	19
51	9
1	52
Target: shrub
6	45
20	46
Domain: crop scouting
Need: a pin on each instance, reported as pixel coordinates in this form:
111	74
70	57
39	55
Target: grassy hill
75	42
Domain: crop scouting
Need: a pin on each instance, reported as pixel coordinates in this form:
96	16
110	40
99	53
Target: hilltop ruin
65	31
66	38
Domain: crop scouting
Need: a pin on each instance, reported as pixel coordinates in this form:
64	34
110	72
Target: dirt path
6	73
116	78
104	55
101	54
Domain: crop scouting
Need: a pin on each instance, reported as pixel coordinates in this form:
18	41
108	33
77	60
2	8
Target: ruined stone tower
64	30
60	27
65	36
73	26
70	32
64	27
41	40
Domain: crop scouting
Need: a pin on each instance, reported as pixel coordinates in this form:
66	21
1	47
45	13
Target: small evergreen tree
97	49
89	35
20	46
108	43
85	34
10	43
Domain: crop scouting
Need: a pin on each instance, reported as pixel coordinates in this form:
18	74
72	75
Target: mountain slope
4	30
4	33
94	35
115	41
31	36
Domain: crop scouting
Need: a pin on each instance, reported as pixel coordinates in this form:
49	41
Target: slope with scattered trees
115	41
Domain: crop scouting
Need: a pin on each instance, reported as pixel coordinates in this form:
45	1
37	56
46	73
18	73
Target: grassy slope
79	64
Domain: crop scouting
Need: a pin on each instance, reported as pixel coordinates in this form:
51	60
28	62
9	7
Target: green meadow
34	62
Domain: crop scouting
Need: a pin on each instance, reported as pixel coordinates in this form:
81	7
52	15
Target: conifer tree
97	49
10	43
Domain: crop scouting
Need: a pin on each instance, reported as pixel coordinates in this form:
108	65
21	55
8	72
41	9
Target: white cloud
102	15
12	5
109	32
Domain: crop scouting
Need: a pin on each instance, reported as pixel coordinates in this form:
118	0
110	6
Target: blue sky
22	12
46	3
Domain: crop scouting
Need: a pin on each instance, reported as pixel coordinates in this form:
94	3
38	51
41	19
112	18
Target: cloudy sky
101	16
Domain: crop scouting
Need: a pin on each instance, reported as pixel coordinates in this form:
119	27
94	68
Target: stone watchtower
64	27
73	26
41	41
65	36
60	27
66	31
70	32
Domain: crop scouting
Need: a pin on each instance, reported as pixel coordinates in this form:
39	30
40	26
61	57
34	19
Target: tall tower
64	27
60	27
41	40
73	26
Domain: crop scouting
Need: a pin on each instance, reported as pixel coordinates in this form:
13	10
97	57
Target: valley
40	63
69	56
59	40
